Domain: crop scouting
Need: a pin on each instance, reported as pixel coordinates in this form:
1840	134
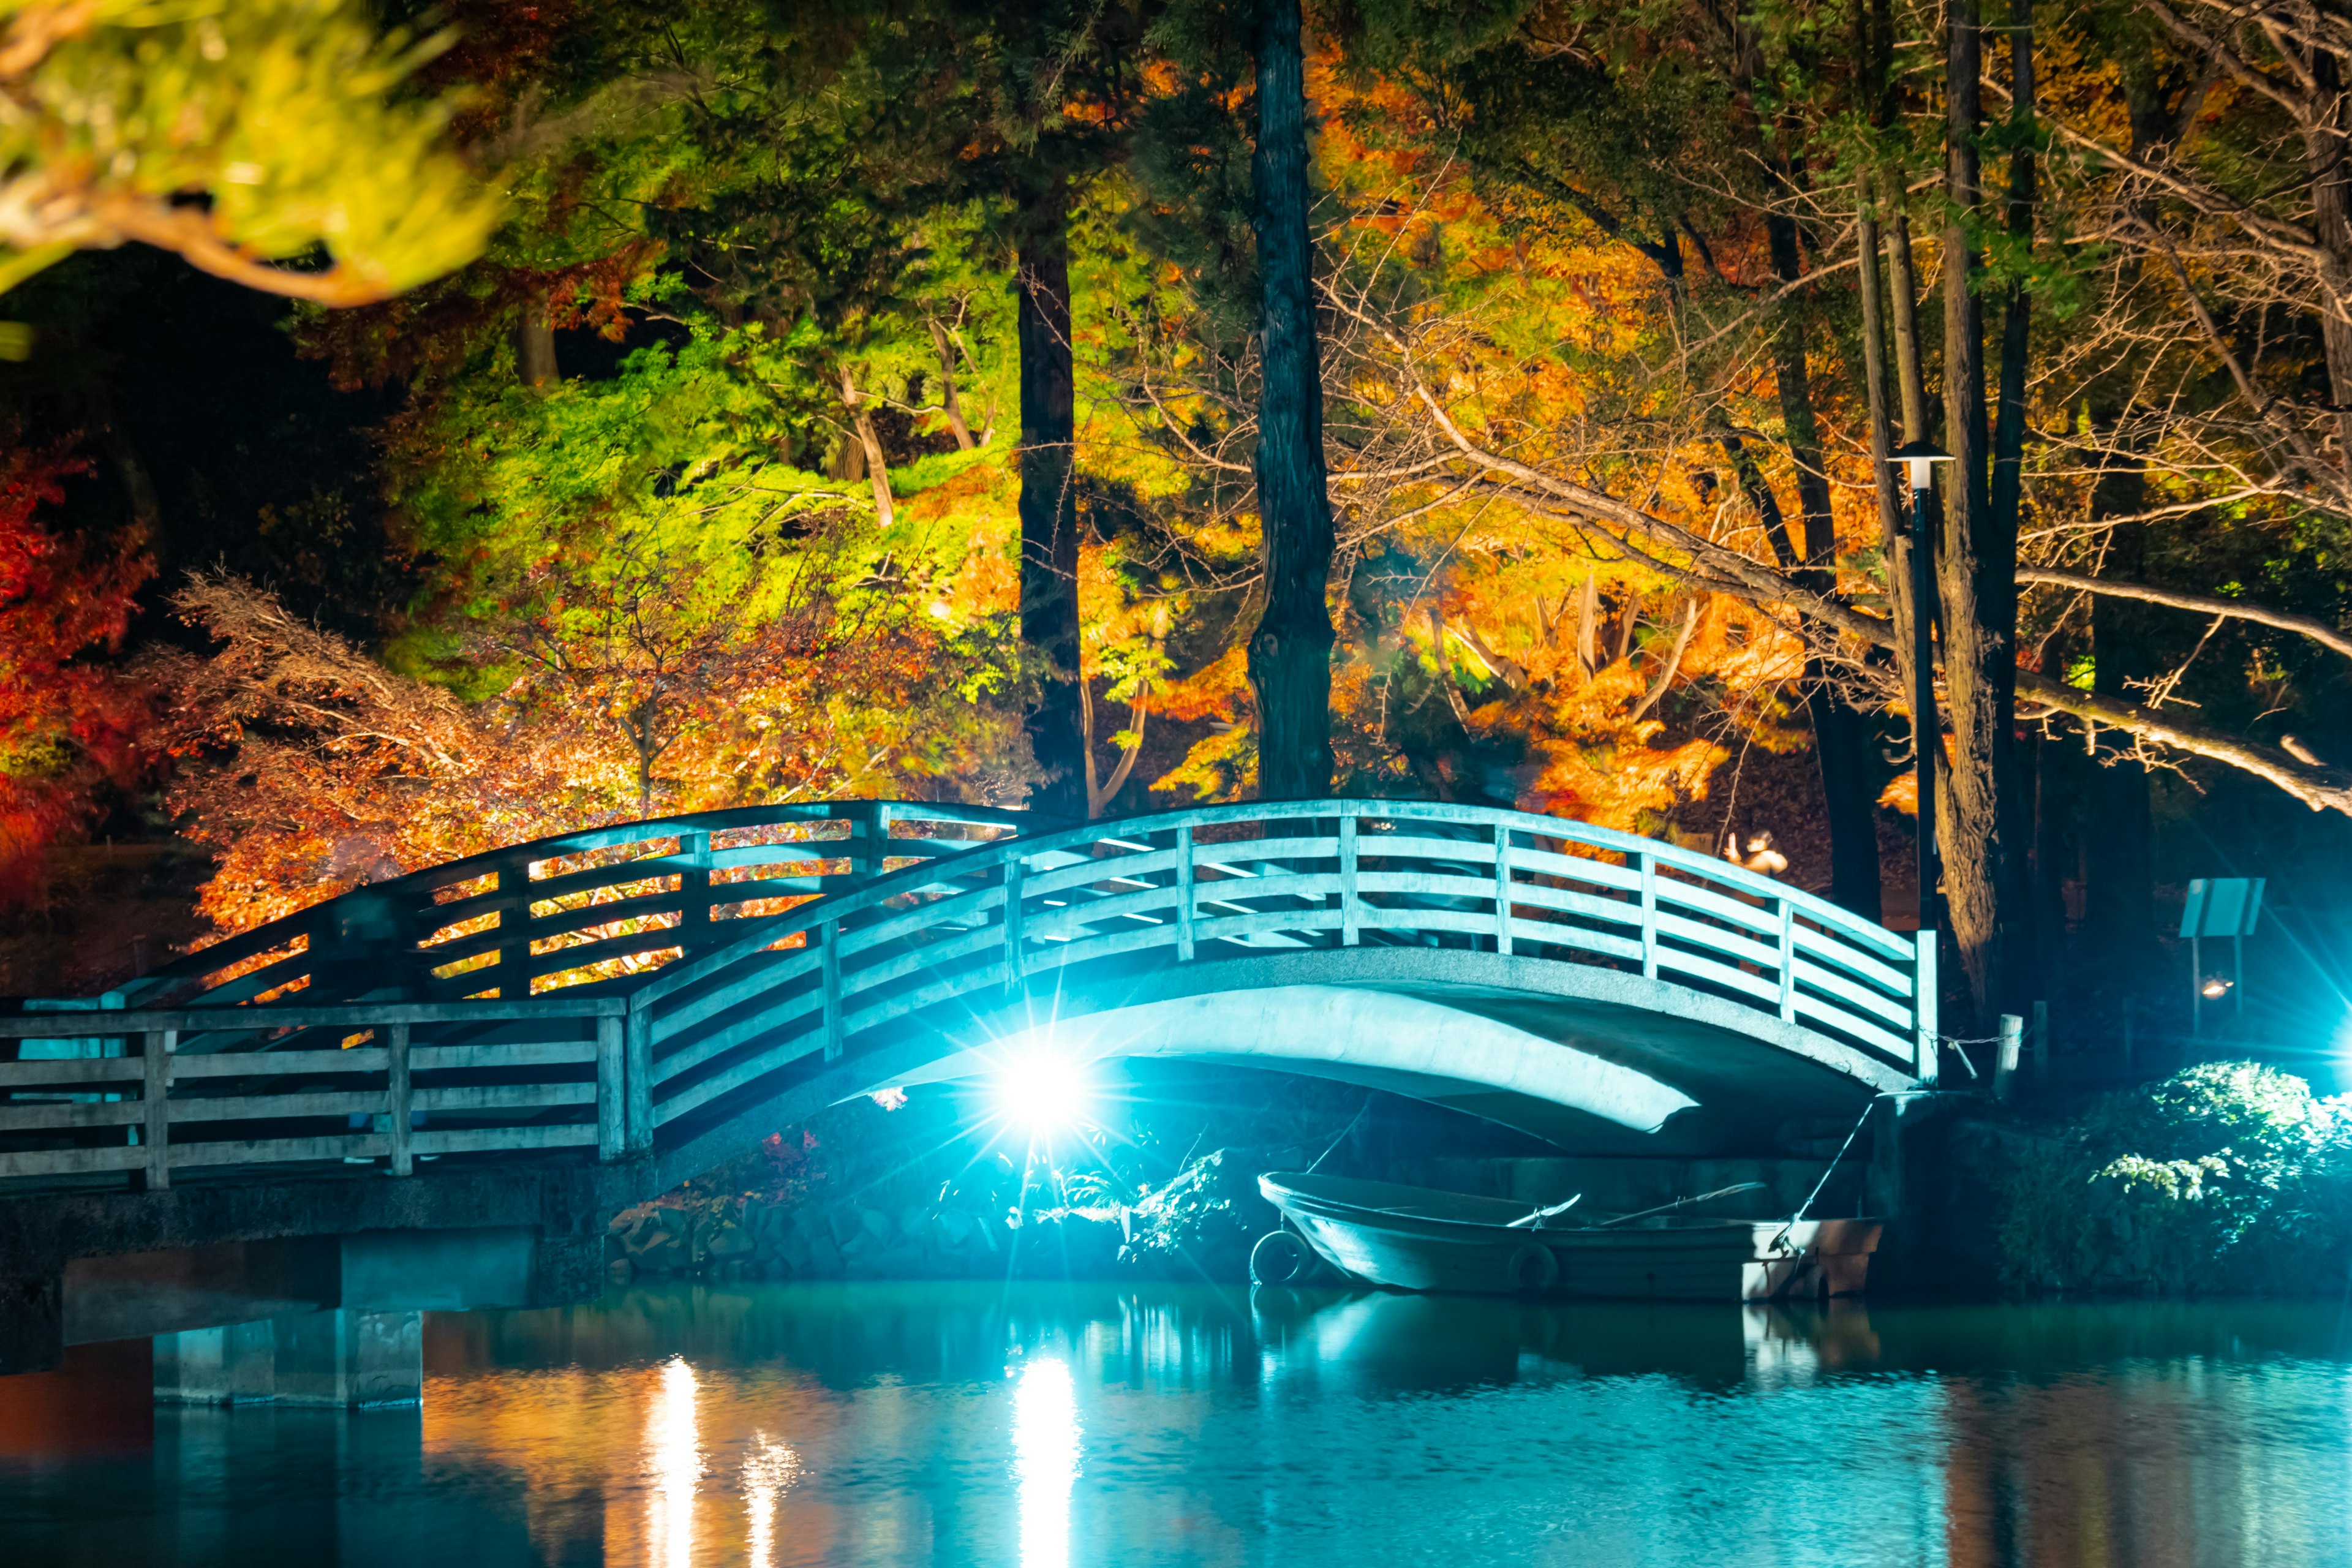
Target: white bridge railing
688	1023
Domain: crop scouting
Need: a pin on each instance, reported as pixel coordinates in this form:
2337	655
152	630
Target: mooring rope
1835	1162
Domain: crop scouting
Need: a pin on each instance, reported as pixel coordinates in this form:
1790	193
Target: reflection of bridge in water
565	1027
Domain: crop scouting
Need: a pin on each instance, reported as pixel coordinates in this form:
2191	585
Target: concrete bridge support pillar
337	1359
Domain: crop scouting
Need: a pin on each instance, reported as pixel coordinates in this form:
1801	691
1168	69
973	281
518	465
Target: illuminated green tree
237	134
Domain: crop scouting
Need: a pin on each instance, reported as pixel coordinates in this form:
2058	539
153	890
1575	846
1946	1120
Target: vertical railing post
832	962
694	887
1502	889
398	1098
637	1077
872	846
1923	1004
1788	962
612	1088
1184	889
514	949
155	1090
1015	868
1649	916
2004	1062
1352	908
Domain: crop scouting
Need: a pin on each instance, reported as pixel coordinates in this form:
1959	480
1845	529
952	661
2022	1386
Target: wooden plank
1015	961
1310	888
1894	1047
1239	854
1578	868
719	1042
1759	918
1715	939
253	1107
1150	863
1648	870
72	1162
51	1118
471	1098
1473	922
1184	935
485	1140
429	1058
1526	932
1599	909
734	1077
1828	948
351	1016
155	1094
637	1046
1926	1062
1351	893
612	1089
273	1151
18	1075
269	1064
917	960
1478	885
1147	906
771	972
1860	999
1724	974
1254	923
1503	890
397	1098
832	993
1788	963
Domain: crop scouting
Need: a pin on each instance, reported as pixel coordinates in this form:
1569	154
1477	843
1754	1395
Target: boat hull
1411	1238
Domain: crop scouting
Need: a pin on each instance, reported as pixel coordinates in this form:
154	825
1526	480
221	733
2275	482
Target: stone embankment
730	1239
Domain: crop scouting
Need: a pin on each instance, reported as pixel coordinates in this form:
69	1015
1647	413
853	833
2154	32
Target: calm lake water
1077	1426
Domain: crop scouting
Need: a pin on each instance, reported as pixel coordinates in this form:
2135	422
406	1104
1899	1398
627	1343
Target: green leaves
285	117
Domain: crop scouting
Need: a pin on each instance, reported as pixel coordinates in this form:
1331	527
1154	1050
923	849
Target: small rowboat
1417	1238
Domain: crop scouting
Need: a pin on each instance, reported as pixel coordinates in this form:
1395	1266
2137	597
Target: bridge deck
648	992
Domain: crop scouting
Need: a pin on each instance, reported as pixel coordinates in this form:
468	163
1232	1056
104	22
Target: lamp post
1919	459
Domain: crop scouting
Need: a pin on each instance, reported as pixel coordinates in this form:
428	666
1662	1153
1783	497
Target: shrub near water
2228	1178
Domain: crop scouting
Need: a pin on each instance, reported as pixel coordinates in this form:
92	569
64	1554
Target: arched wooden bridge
667	992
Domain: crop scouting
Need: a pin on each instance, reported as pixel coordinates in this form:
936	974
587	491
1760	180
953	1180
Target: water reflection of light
769	1471
674	1458
1045	1461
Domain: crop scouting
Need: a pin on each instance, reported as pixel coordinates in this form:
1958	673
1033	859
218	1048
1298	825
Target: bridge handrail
413	909
624	1065
971	887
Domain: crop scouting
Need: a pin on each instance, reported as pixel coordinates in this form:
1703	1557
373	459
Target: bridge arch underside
1595	1060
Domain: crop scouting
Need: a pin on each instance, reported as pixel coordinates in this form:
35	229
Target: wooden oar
1529	1221
1679	1202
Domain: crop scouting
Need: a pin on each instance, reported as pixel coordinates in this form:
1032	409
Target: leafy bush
2230	1177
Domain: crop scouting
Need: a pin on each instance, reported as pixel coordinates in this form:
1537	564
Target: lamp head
1921	458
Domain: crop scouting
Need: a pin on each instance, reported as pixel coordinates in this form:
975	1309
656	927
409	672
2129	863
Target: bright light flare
1046	1461
2216	988
674	1458
1043	1091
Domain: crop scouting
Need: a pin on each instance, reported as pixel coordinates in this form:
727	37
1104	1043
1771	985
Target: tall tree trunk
1895	536
2009	428
861	425
534	343
1841	733
2026	953
1290	651
1049	513
944	347
2331	213
2119	862
1976	574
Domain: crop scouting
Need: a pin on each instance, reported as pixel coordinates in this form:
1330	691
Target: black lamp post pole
1927	733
